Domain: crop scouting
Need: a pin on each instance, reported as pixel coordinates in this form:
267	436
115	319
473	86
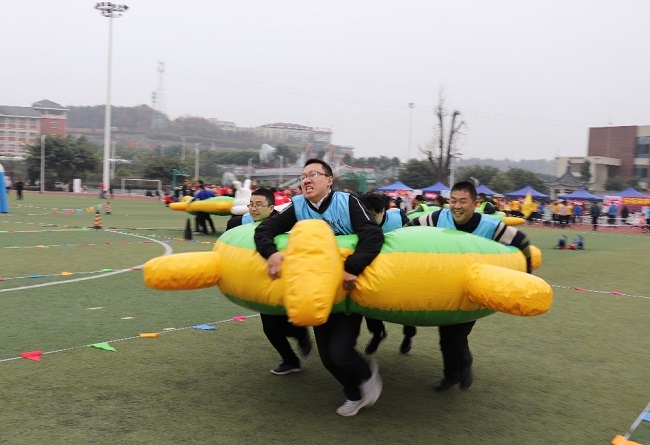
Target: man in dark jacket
337	337
276	327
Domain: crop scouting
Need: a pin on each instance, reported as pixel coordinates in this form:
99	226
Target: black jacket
371	238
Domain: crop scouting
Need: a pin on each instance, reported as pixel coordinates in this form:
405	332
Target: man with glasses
461	215
337	337
276	327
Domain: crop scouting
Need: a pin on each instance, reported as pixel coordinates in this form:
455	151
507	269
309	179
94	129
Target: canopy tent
630	193
435	188
521	193
582	195
395	187
483	189
631	198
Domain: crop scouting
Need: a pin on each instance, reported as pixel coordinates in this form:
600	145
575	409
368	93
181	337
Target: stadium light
111	11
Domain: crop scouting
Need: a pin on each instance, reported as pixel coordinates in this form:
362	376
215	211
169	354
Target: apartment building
20	126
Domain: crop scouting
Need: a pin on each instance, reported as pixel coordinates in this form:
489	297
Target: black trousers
336	340
202	220
376	327
277	328
455	348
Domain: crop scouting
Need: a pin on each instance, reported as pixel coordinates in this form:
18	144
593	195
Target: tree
443	147
633	182
585	172
65	159
161	168
484	173
501	183
521	178
614	183
417	174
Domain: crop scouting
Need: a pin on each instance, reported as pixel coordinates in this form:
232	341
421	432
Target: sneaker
373	344
371	388
285	368
406	345
350	408
305	345
445	384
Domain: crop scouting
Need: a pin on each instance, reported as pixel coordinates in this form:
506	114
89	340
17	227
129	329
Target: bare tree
444	145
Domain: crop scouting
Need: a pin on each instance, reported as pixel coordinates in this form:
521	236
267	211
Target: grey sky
529	76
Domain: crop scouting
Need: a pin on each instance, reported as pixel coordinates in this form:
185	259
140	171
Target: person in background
203	218
419	205
461	215
577	214
388	219
337	337
441	202
595	214
624	214
612	211
484	206
19	185
277	328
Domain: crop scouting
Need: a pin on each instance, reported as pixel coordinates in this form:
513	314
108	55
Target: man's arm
512	237
430	219
405	219
234	222
371	238
270	228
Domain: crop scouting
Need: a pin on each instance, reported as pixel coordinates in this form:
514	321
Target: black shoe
305	345
406	345
466	377
445	384
373	344
285	368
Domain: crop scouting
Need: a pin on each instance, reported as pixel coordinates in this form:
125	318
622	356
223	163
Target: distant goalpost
129	184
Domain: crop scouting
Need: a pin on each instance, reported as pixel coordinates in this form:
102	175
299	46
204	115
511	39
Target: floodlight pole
111	11
42	184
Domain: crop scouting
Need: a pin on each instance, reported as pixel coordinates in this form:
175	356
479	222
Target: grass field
576	375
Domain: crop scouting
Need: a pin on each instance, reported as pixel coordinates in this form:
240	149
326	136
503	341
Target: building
20	126
613	151
319	138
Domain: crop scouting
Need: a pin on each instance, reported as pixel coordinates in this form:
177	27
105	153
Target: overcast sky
530	77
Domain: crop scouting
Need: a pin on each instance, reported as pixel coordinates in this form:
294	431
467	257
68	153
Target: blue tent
582	195
483	189
630	193
435	188
395	187
521	193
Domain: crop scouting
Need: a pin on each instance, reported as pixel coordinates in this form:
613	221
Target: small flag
205	327
32	355
105	346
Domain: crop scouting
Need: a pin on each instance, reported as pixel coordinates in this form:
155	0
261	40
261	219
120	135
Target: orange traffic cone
108	208
97	223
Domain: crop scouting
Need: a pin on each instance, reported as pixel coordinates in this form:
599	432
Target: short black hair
467	186
373	201
268	194
326	166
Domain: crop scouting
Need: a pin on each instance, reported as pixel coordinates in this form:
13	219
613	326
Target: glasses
312	175
257	205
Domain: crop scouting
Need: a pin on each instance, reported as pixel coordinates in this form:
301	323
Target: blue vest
337	214
486	227
247	218
393	220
